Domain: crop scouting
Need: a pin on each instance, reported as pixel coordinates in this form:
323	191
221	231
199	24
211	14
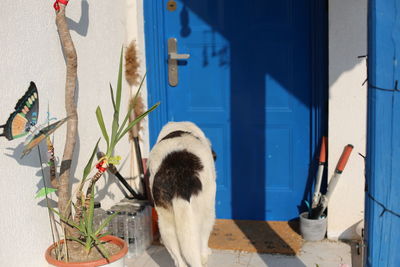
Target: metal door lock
173	58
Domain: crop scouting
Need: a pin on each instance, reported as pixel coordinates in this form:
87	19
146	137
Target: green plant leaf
132	106
115	127
82	225
119	84
103	235
112	96
88	167
76	239
100	246
138	91
65	220
115	122
45	191
132	123
125	120
100	120
105	223
89	243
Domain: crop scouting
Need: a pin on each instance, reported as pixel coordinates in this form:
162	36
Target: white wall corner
347	112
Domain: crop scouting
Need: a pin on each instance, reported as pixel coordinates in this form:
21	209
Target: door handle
176	56
173	58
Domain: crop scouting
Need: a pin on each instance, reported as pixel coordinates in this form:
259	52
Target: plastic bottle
132	234
121	228
140	234
133	224
149	222
118	221
146	227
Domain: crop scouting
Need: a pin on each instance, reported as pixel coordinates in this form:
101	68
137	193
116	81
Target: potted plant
82	238
83	244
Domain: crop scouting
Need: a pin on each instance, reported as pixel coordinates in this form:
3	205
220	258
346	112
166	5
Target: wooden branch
70	106
102	167
93	181
78	206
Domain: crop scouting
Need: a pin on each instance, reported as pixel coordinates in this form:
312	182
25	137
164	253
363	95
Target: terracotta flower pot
116	260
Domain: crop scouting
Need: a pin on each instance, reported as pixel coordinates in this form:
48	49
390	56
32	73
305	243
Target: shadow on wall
81	27
353	231
352	46
33	160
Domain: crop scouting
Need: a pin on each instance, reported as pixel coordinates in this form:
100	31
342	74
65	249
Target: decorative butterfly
25	115
40	134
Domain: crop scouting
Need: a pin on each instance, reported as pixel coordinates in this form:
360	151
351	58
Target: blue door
248	84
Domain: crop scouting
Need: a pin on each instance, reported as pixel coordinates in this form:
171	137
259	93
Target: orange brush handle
322	153
344	158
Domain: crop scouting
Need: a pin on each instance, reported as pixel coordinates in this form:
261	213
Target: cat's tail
186	227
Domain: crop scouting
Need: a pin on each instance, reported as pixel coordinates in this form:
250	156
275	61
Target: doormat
257	236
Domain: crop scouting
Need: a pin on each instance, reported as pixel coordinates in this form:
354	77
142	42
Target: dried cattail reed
138	109
132	65
132	76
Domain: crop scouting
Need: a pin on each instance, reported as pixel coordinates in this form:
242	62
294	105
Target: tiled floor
322	254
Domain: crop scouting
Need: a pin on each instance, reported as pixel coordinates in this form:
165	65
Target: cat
183	187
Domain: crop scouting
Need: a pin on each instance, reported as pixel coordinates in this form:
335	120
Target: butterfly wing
41	135
25	115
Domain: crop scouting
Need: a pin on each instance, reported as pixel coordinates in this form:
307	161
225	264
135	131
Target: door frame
156	49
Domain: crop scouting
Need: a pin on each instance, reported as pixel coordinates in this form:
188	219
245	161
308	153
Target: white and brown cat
182	184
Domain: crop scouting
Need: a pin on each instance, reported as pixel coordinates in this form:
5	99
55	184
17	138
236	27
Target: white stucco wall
30	51
347	112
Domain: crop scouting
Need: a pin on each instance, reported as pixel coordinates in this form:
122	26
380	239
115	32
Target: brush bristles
132	65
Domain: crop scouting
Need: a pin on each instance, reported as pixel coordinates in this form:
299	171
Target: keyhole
171	5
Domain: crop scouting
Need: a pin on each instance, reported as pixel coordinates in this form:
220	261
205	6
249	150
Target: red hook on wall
57	5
